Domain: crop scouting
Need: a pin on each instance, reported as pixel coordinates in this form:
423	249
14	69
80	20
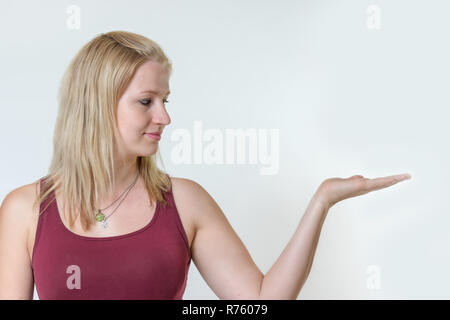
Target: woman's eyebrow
155	92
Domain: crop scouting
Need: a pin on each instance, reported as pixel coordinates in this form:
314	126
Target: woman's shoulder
181	189
184	187
21	199
17	213
190	198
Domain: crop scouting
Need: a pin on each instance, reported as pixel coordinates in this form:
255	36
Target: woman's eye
146	102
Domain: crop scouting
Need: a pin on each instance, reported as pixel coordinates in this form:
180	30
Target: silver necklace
100	217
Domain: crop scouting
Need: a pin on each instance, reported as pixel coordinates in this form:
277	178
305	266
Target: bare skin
338	189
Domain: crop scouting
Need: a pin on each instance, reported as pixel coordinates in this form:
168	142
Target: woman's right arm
16	275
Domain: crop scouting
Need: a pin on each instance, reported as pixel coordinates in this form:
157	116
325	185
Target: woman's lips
154	136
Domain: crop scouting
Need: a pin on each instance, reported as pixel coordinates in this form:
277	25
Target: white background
346	99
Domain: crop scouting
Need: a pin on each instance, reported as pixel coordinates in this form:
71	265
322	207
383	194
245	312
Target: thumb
359	176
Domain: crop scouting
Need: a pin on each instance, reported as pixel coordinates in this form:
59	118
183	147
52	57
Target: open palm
334	190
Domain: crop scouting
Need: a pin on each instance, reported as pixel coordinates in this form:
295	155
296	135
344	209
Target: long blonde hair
85	133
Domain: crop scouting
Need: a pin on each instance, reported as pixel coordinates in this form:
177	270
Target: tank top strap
44	215
171	210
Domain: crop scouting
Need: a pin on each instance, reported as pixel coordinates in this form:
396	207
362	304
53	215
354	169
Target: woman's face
141	110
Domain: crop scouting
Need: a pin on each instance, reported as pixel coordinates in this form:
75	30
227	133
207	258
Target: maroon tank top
150	263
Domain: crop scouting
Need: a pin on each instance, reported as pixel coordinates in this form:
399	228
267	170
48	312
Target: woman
106	223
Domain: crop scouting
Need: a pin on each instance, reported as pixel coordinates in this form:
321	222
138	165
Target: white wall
346	97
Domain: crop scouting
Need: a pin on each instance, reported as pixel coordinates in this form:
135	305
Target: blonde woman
106	223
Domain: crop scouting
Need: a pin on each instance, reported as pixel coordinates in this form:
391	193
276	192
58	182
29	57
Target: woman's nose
161	115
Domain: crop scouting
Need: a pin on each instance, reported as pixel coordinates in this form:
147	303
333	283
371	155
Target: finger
384	182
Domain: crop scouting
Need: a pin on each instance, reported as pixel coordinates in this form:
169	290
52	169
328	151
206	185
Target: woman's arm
16	275
225	263
286	277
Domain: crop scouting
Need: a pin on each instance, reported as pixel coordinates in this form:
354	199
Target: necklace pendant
104	224
99	216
